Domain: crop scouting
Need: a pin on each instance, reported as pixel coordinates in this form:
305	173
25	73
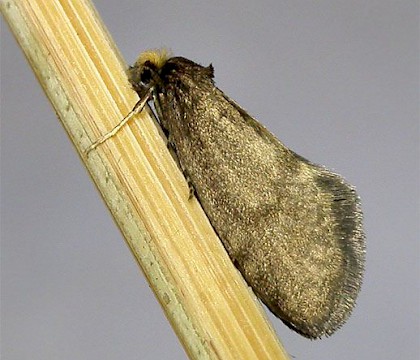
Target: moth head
145	70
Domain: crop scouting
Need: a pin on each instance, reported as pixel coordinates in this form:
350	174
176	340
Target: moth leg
187	177
169	140
158	108
172	148
191	187
170	143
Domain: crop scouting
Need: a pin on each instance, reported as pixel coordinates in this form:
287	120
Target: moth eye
146	76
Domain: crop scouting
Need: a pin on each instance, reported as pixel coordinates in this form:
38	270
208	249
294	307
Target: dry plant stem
210	307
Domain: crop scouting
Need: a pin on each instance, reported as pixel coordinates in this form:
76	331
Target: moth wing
304	255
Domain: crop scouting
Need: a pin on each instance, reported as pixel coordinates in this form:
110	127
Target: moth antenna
136	109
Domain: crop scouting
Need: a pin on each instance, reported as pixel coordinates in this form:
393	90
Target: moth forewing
293	228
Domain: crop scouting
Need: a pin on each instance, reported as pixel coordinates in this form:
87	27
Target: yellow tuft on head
157	57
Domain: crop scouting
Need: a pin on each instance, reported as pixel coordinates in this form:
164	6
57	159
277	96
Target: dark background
336	81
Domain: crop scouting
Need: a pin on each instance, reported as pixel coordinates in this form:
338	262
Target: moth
291	227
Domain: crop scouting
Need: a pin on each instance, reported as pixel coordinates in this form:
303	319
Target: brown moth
291	227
